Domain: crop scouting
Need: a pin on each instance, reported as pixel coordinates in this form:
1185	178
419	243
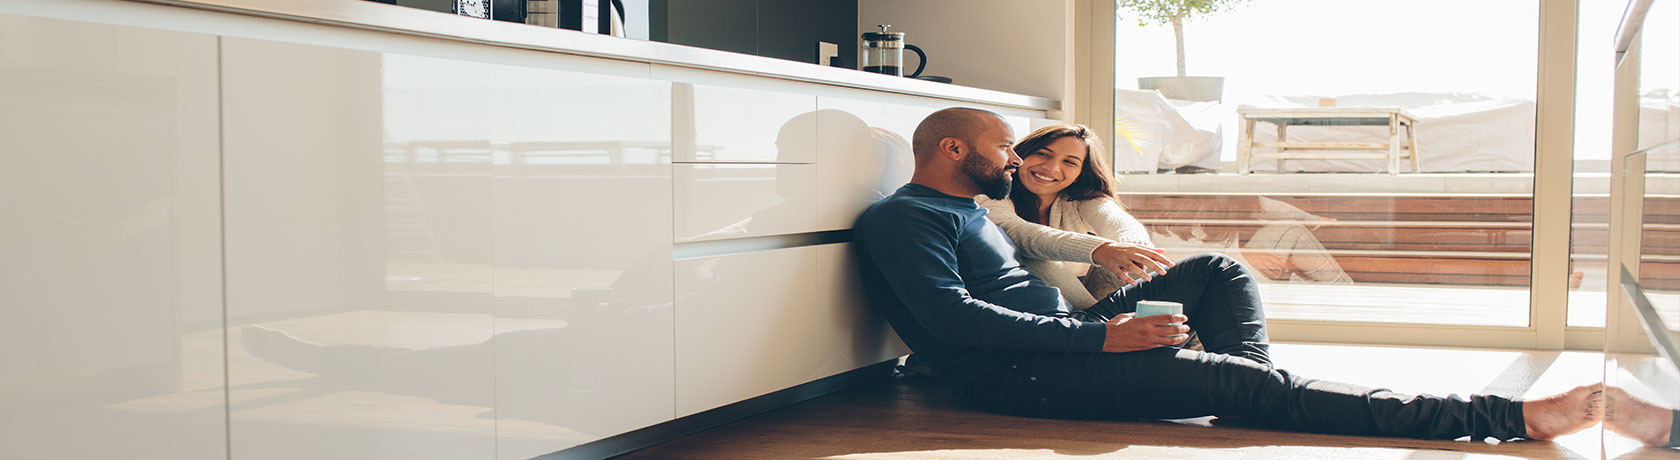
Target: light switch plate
826	52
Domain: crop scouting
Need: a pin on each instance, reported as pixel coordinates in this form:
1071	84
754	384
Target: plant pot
1186	88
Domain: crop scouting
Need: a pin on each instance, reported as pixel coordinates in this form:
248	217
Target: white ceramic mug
1158	307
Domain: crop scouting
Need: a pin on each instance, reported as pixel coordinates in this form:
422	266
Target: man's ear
953	148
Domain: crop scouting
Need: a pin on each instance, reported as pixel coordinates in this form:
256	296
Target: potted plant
1176	12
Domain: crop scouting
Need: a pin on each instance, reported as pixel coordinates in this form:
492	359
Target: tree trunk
1178	37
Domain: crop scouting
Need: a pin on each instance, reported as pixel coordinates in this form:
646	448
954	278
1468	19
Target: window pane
1330	98
1589	229
1658	121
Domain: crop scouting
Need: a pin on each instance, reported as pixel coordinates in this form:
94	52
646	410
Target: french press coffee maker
883	52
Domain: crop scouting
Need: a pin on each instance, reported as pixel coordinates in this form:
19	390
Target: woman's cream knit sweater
1061	252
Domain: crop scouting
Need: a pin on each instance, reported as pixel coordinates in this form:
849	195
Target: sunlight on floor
1461	305
1168	452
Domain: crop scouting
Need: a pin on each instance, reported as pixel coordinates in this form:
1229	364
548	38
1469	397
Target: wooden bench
1393	117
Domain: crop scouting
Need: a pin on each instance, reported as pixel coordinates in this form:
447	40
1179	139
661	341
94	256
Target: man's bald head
956	122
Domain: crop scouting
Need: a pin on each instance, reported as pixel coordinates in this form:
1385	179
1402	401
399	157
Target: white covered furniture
1456	132
1154	133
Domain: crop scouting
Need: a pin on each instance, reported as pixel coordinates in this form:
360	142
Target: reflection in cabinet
110	276
1640	360
850	334
721	201
864	151
744	326
720	124
896	114
358	282
583	346
466	251
859	165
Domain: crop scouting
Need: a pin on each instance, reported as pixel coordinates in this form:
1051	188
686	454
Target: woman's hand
1130	333
1129	262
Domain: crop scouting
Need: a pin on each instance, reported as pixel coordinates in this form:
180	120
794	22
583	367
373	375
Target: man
948	281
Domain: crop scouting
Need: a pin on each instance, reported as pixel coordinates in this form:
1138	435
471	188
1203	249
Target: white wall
1004	45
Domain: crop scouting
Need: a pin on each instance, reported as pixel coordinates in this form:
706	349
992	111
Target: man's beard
994	182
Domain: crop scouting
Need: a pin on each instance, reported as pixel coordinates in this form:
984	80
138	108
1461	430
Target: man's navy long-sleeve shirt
948	280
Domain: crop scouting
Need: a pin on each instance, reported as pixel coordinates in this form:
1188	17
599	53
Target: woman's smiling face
1054	167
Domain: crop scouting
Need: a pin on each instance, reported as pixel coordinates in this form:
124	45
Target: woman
1063	216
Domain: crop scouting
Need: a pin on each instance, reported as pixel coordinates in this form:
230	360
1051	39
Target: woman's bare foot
1563	413
1636	418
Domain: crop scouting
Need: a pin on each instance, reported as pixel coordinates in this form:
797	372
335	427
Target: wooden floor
912	418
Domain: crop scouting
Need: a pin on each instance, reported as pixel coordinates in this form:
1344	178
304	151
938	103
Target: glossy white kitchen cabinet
429	248
723	201
583	287
859	164
358	254
850	334
898	115
745	326
901	114
109	268
864	150
719	124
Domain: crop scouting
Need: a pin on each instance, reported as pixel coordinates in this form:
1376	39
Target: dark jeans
1219	295
1233	378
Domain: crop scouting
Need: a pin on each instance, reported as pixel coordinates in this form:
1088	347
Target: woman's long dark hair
1095	177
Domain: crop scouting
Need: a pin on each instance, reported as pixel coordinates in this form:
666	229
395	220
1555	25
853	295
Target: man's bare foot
1636	418
1563	413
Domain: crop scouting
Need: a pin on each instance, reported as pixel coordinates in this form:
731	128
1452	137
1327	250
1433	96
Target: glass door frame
1091	102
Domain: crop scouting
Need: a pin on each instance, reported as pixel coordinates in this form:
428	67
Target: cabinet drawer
850	334
742	125
744	326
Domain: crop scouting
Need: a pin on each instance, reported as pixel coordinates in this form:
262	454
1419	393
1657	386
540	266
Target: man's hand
1130	262
1130	333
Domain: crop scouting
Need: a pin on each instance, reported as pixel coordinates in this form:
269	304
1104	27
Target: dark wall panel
783	29
441	6
791	29
729	25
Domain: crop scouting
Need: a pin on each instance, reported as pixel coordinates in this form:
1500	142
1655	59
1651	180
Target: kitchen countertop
410	21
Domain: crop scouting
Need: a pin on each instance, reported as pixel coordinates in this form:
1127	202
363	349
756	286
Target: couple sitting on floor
946	272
